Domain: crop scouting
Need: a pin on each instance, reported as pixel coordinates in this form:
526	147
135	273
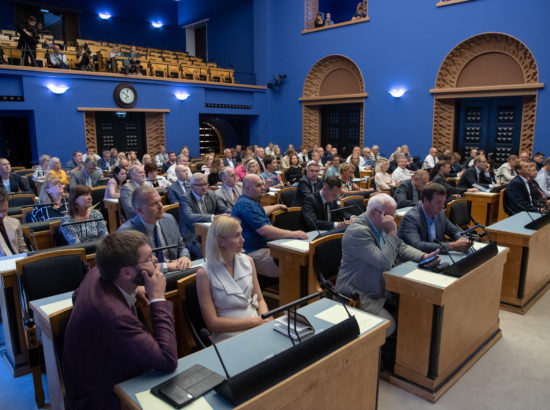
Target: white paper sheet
435	279
337	314
57	306
150	401
8	263
298	244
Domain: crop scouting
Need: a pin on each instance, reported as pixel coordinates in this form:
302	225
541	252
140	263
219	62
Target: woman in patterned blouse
80	204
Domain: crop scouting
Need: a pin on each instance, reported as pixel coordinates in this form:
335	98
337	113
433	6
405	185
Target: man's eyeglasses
394	215
150	258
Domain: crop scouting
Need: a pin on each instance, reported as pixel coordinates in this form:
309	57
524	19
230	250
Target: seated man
171	172
199	204
231	190
317	208
443	170
408	193
401	173
309	184
477	176
257	228
370	246
162	157
366	161
87	175
505	173
90	153
106	163
543	178
431	159
178	189
137	178
57	58
521	194
11	182
160	228
272	165
105	342
228	160
334	169
424	226
75	164
171	161
11	240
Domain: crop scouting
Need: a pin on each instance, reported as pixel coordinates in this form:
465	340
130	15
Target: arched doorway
333	82
494	69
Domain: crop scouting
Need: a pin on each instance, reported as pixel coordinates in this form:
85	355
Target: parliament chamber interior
344	112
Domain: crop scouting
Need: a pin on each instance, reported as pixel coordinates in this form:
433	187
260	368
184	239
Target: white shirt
400	175
429	162
543	179
171	173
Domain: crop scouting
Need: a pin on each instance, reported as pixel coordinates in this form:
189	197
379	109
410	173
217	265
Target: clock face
127	95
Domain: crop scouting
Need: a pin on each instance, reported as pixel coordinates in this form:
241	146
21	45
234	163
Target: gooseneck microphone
312	220
205	334
327	286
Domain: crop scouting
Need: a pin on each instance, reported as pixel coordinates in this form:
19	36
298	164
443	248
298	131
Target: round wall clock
125	95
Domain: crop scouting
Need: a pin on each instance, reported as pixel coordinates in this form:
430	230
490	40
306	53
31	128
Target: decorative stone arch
485	65
334	79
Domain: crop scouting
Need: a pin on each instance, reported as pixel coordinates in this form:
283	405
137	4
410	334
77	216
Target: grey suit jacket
227	197
15	236
168	230
125	199
413	229
79	178
364	261
190	212
174	192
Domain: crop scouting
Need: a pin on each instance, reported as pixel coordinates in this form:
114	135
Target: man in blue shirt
271	165
257	228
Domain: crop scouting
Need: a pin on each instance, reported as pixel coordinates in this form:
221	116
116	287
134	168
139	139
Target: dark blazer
451	190
175	192
315	213
125	199
404	195
413	229
305	188
168	230
79	178
105	343
517	197
166	166
226	162
18	184
260	163
190	212
101	163
469	178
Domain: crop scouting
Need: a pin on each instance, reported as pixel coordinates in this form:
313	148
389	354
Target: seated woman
229	294
153	177
132	159
319	22
240	169
41	170
251	167
356	162
214	176
146	159
382	178
348	187
360	12
205	169
51	193
294	172
80	204
58	172
112	191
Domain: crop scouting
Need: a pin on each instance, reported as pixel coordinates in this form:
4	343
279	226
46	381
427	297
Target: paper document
337	314
297	244
150	401
51	308
435	279
8	263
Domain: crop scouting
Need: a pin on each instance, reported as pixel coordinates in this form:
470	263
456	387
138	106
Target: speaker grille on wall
236	106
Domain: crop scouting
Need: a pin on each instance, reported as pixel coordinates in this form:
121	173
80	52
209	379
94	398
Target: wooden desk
366	173
526	273
484	207
270	198
443	329
348	375
401	213
201	229
113	213
48	313
293	255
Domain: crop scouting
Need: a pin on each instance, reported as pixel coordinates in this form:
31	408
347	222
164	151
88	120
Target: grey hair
197	176
378	201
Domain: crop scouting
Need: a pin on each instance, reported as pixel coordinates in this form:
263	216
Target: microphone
162	248
205	334
312	220
483	227
442	247
327	286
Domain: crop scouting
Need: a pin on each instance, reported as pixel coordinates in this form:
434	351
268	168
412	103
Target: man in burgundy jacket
105	343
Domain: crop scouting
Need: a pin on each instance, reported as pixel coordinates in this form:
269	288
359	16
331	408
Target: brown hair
76	191
117	250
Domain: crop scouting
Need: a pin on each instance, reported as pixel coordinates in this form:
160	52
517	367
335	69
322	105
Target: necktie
327	211
5	236
235	195
158	244
202	206
88	180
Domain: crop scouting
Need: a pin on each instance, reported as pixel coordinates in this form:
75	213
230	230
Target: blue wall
403	43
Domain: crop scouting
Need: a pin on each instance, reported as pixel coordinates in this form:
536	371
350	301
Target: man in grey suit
87	175
424	226
370	246
198	205
408	193
137	178
160	228
106	163
231	190
177	190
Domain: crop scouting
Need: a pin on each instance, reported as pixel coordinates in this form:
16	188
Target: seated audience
123	163
205	169
118	179
200	204
360	13
270	149
538	158
539	194
156	180
366	160
355	161
229	294
294	172
137	178
356	151
41	170
11	182
160	228
105	343
214	175
317	208
469	162
176	191
228	160
309	184
316	158
231	189
425	226
409	192
257	228
114	156
80	204
132	159
348	187
171	162
259	154
375	154
456	166
106	163
87	175
185	153
442	170
334	169
240	169
57	58
506	172
431	159
328	20
271	165
401	173
162	157
171	172
521	194
75	164
84	58
319	22
303	156
51	193
382	178
147	159
477	175
11	238
543	178
370	247
277	155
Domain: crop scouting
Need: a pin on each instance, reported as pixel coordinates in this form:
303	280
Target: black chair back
506	203
20	201
192	312
459	214
287	197
291	220
358	206
98	193
103	182
173	277
173	210
326	259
